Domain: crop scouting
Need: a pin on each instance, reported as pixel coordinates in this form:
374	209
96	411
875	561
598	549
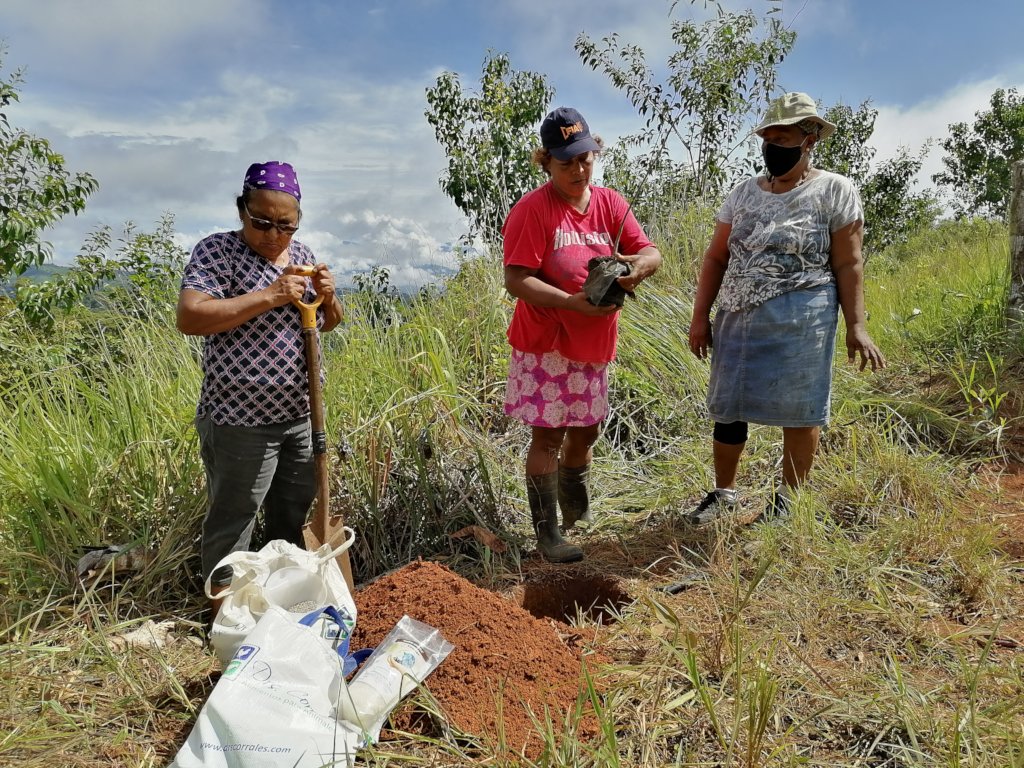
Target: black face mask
780	160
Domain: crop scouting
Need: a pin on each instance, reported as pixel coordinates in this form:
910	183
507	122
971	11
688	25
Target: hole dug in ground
565	596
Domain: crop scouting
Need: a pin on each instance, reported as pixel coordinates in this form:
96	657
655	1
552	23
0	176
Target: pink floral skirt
550	390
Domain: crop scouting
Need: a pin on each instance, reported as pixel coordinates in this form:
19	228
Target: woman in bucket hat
785	256
561	342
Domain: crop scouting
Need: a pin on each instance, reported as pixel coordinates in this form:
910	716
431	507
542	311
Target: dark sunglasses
263	225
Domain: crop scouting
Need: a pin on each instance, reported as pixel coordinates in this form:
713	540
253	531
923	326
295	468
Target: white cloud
367	161
166	104
131	40
372	236
913	126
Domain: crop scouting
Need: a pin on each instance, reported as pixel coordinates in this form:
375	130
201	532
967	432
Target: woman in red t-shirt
561	342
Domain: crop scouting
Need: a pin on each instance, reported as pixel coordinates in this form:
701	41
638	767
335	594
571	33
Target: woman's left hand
642	266
323	282
858	341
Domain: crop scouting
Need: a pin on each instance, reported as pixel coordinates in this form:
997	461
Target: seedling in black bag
602	286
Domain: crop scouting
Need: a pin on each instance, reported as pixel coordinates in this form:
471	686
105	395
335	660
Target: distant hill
438	272
47	271
33	275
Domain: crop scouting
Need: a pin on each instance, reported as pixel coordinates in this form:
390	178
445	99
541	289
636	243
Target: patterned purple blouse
254	374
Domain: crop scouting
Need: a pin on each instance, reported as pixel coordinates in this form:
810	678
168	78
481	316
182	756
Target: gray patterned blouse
781	242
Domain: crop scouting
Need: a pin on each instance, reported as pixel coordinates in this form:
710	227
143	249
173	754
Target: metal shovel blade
328	529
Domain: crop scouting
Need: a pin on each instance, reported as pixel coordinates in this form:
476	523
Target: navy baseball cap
565	134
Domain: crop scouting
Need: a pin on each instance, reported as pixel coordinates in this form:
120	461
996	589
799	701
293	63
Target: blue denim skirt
773	364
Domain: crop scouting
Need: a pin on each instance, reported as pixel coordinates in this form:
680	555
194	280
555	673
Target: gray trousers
248	468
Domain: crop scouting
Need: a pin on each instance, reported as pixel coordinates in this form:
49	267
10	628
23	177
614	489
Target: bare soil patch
1006	509
507	663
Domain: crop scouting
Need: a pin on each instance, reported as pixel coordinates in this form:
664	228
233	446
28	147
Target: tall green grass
944	292
99	450
411	405
937	306
866	631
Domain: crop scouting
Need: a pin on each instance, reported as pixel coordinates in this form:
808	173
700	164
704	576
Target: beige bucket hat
793	108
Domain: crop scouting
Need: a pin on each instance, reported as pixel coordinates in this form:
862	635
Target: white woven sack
274	705
244	601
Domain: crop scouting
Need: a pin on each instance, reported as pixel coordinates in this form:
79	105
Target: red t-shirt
545	233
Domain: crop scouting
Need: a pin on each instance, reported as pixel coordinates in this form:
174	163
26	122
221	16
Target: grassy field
881	626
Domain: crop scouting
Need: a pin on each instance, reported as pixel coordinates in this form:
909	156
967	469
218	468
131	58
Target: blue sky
167	103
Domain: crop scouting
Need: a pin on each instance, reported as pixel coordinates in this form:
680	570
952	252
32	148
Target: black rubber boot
542	491
572	495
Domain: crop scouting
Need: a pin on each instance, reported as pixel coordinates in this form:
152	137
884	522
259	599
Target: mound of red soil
505	660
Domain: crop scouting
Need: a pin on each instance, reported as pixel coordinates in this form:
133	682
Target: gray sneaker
778	510
715	505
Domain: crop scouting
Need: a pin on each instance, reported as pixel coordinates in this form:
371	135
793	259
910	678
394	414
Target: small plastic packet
409	653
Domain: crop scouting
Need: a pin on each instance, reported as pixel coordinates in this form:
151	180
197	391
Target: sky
167	103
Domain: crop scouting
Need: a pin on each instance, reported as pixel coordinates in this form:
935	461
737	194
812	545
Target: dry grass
881	626
893	640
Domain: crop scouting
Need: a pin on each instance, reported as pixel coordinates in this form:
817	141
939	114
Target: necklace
799	182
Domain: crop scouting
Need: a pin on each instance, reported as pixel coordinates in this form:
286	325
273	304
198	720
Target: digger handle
307	309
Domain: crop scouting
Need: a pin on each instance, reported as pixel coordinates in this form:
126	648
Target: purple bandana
276	176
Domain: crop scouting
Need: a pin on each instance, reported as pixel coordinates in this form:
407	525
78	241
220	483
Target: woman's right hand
287	288
700	336
578	302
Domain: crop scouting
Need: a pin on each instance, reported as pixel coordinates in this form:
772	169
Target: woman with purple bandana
253	412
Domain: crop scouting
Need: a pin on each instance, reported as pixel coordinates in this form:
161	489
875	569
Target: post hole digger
323	528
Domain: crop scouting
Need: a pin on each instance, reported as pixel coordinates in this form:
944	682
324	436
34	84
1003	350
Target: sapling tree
848	151
653	183
36	190
720	76
381	296
893	210
488	136
979	158
138	273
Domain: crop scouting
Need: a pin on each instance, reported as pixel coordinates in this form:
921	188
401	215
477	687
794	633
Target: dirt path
1006	510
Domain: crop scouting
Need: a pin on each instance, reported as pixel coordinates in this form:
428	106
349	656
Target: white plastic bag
310	577
274	705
